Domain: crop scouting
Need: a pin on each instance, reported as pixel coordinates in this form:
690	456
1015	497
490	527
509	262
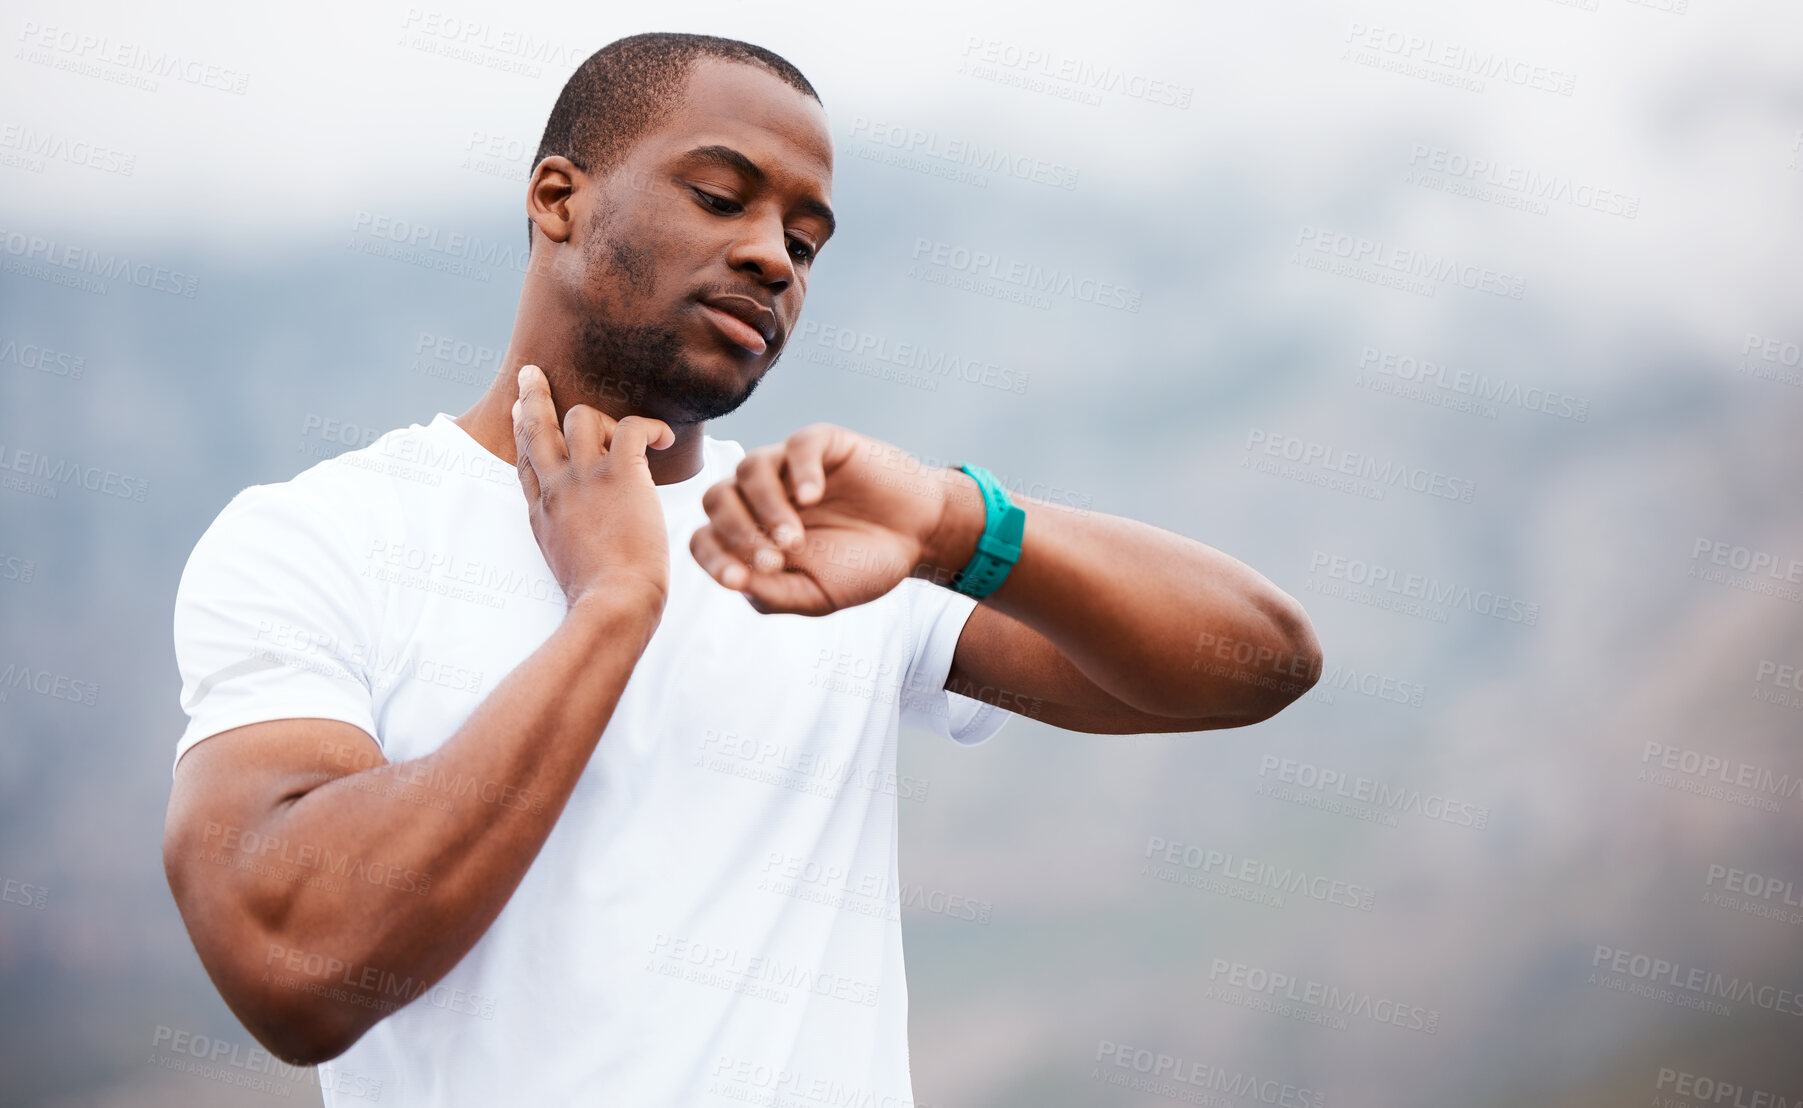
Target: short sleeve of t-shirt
268	619
938	615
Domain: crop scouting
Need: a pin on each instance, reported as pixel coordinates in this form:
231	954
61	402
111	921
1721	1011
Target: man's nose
762	250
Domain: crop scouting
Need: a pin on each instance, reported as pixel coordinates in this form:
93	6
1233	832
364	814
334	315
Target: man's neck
490	420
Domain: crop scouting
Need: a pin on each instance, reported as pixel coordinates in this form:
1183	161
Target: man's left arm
1113	626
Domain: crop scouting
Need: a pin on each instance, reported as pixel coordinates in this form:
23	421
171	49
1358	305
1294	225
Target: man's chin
663	372
707	386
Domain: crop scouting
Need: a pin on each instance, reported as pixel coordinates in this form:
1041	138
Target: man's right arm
296	800
309	884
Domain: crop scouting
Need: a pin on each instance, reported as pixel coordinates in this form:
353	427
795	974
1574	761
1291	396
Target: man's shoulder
406	460
343	494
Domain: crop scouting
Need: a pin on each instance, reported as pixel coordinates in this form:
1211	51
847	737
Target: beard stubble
644	362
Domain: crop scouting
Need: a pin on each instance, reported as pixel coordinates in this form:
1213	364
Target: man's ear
548	197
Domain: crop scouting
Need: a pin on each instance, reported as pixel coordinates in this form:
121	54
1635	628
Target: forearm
1144	613
468	818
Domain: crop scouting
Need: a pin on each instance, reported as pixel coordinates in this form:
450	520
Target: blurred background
1473	326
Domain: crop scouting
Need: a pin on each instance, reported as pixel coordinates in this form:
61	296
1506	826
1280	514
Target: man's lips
742	320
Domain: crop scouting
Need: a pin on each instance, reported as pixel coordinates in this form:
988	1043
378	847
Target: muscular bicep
1002	661
223	837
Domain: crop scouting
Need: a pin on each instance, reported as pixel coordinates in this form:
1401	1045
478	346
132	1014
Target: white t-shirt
714	919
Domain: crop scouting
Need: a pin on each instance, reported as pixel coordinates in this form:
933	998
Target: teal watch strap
999	547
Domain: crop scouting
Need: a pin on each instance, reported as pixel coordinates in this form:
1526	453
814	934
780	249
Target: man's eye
718	203
802	250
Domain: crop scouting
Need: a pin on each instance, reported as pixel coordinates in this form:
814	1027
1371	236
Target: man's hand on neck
490	420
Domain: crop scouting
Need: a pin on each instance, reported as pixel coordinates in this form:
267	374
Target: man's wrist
618	607
962	517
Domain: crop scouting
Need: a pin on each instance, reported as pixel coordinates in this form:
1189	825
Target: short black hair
625	87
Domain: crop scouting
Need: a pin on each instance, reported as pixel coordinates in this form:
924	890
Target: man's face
694	253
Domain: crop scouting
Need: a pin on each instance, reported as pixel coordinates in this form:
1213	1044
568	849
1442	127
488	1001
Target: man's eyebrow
745	167
816	208
728	157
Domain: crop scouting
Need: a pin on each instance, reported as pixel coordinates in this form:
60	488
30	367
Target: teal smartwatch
999	547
